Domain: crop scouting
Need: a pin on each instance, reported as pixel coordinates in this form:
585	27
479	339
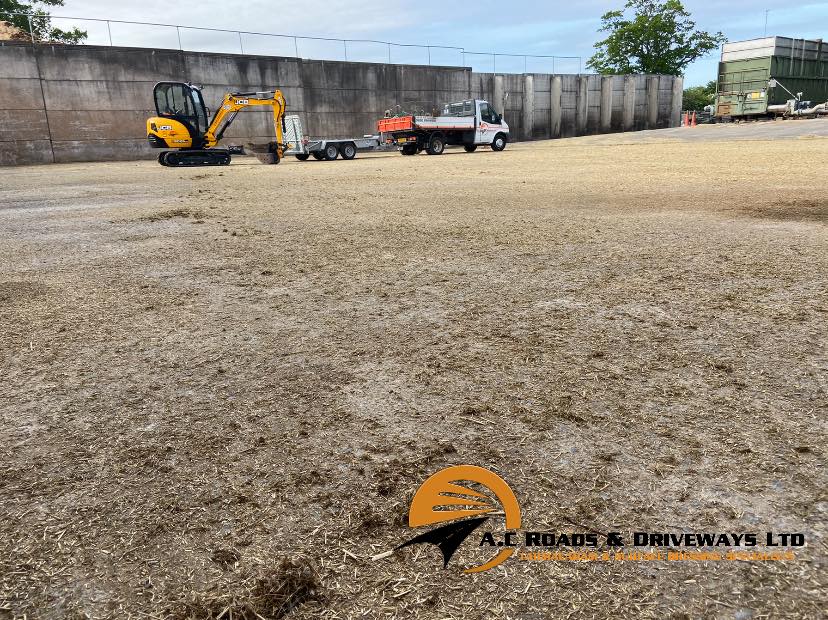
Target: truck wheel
470	148
302	156
331	152
348	150
409	149
436	145
318	155
499	142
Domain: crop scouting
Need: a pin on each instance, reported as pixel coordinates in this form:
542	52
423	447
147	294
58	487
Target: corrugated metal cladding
746	67
807	49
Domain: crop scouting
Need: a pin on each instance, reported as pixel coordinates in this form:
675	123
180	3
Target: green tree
659	37
696	97
41	24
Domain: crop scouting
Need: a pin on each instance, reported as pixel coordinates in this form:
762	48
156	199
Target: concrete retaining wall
87	103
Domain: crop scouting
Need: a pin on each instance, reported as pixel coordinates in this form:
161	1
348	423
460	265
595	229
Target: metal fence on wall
198	39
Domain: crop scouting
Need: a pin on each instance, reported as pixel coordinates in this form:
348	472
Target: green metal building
746	69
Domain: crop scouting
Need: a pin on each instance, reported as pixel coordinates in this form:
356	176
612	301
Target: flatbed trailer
469	123
303	148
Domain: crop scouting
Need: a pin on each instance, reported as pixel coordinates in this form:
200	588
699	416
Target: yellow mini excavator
183	125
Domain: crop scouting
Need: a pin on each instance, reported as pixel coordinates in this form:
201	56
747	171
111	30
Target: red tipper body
400	123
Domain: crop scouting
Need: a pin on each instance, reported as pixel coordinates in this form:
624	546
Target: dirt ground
221	387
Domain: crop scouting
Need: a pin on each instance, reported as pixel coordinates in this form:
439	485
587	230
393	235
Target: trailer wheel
409	149
348	150
436	145
302	156
331	152
470	148
499	142
318	155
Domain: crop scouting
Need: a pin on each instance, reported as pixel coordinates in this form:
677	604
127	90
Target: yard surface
221	387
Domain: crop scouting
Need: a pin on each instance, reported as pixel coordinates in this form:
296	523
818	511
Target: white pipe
783	108
817	109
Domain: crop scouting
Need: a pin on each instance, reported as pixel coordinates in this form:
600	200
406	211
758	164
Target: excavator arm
233	103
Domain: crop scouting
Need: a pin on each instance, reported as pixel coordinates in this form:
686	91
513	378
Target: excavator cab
183	124
182	117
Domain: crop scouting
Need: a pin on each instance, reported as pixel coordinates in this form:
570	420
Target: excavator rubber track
182	159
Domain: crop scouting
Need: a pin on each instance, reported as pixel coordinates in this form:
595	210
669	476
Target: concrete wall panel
541	124
242	72
23	125
542	82
74	125
25	152
102	150
453	79
568	121
97	95
61	62
18	62
20	94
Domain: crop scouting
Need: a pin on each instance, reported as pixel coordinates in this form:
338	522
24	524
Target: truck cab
487	122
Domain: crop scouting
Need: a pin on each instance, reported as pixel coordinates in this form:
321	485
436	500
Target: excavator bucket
266	153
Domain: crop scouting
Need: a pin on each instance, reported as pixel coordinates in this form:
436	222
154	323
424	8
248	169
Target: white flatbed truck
470	123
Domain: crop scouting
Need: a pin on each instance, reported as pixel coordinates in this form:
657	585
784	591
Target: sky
534	27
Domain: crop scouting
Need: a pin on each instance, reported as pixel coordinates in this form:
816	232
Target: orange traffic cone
684	120
693	122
